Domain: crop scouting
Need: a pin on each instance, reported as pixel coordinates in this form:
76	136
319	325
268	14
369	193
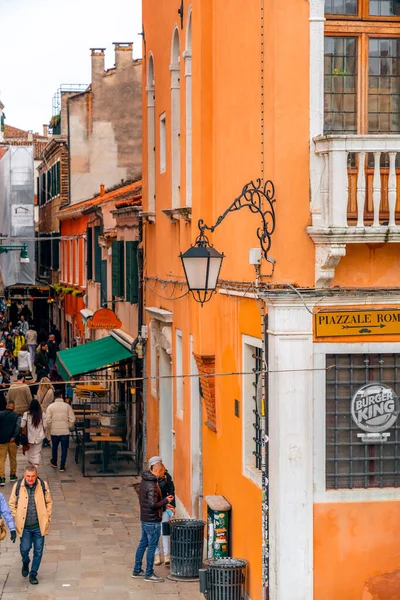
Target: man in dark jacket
10	425
167	489
53	349
151	508
42	361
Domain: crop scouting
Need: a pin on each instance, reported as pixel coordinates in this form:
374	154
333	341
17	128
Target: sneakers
157	560
33	579
2	481
167	559
62	469
25	569
153	578
13	477
53	464
136	575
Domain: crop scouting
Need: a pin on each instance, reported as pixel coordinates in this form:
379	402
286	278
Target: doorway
166	410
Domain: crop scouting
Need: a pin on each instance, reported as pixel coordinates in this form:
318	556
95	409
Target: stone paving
89	552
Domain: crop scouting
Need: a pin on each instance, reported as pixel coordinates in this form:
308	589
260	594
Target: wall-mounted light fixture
202	262
23	257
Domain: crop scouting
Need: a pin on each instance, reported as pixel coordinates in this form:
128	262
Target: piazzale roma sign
357	322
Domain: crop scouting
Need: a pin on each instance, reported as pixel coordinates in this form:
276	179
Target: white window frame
76	266
179	373
153	360
321	494
249	469
163	142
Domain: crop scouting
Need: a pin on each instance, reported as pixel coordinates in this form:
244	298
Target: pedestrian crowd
33	412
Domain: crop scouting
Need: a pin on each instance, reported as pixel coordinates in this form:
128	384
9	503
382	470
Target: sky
45	43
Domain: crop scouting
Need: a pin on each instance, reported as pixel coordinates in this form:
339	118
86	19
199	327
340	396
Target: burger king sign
374	407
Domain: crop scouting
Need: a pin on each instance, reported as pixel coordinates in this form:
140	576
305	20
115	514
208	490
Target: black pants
64	441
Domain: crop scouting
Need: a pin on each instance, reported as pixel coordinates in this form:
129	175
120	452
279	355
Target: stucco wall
105	127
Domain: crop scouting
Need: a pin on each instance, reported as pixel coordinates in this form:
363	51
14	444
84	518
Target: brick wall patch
206	367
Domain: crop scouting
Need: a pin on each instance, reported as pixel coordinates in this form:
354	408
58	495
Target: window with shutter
103	282
89	253
97	254
58	177
43	189
118	269
48	185
132	273
55	256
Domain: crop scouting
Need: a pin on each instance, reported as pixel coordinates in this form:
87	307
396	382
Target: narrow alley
89	552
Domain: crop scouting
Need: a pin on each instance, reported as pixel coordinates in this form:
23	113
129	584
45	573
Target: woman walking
45	397
45	393
24	360
34	420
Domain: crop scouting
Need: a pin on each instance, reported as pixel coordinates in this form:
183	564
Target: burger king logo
375	407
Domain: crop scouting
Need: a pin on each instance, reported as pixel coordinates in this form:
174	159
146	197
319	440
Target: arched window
151	143
175	118
187	55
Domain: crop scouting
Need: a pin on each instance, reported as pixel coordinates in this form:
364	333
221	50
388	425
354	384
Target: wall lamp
202	262
23	257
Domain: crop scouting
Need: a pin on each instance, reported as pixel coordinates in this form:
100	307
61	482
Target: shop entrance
166	410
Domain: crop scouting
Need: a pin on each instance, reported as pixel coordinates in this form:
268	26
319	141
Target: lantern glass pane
215	266
196	272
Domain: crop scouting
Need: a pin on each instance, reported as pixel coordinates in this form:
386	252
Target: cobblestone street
89	551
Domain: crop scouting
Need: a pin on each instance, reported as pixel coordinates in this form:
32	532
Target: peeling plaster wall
105	126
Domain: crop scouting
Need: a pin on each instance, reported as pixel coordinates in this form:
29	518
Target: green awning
90	357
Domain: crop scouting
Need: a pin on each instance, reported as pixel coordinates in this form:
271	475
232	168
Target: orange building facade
303	94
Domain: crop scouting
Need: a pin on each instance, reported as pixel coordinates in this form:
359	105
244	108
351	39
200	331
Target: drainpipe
265	461
142	366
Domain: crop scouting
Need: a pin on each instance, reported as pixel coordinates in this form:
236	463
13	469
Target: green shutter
97	255
48	195
53	181
132	273
58	177
43	190
118	269
103	282
89	253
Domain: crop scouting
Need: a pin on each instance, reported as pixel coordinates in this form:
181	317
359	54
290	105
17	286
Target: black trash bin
223	578
187	541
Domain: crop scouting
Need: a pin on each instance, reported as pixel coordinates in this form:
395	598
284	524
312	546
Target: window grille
351	463
257	357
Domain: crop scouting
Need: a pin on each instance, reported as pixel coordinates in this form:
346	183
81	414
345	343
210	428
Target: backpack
17	489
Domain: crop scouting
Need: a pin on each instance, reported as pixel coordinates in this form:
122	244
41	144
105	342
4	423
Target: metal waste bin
223	578
186	548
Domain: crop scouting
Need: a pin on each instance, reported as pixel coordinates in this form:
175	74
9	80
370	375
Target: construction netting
17	214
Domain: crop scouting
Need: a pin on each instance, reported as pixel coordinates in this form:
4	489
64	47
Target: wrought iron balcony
355	189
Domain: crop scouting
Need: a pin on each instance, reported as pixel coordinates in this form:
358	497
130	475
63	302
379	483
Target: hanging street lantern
202	262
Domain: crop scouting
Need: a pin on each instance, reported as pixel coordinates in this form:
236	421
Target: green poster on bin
218	516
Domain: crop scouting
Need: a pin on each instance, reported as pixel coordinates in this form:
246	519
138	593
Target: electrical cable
93	375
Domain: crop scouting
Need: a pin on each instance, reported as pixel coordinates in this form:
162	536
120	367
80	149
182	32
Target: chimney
30	135
97	62
45	130
123	54
102	192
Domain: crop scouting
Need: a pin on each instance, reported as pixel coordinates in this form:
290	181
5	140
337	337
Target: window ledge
148	217
253	474
183	213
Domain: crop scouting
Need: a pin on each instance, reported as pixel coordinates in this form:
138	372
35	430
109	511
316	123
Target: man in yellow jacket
31	505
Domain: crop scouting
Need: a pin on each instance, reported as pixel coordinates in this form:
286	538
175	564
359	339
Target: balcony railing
357	187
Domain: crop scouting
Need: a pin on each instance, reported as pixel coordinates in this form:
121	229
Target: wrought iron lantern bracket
258	198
